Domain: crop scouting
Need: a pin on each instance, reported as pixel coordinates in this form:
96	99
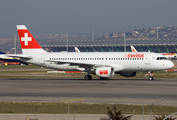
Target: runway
118	91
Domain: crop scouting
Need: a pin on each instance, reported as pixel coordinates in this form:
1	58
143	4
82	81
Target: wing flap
80	64
73	63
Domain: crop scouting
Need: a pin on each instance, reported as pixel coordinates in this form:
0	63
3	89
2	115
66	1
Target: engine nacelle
127	74
105	72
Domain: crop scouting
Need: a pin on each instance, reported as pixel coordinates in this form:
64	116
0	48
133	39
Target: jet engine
105	72
127	74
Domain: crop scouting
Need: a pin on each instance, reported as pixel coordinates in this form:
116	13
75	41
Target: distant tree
116	115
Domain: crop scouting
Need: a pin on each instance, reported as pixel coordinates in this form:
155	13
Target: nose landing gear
150	76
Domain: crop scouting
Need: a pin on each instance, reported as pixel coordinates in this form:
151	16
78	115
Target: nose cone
170	64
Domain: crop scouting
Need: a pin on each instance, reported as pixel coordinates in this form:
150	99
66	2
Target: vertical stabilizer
76	49
133	49
27	41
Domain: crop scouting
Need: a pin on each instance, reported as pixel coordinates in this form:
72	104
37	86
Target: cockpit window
161	58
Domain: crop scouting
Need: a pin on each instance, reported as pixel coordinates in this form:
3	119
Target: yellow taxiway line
73	100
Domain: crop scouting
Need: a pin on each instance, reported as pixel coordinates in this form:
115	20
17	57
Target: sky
85	16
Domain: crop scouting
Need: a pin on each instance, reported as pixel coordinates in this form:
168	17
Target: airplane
3	57
102	64
168	55
133	49
76	49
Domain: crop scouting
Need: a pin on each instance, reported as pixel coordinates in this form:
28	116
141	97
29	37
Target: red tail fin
27	41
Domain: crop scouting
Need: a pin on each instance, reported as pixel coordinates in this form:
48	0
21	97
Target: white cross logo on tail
26	39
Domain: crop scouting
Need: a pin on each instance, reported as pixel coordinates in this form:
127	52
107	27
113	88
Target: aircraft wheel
151	78
88	77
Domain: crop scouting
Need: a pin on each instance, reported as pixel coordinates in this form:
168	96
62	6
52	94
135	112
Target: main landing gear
88	77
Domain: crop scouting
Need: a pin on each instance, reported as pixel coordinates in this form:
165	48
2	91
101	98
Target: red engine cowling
105	72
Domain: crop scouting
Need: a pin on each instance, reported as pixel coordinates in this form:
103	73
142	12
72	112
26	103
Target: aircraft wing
117	67
77	63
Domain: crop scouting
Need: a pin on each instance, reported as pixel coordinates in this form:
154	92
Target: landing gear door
148	59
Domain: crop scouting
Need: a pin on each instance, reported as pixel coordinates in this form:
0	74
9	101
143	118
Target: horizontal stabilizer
19	56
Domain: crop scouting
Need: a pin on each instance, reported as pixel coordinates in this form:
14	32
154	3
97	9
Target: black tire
88	77
151	78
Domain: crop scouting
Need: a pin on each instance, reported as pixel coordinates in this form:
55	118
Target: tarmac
116	91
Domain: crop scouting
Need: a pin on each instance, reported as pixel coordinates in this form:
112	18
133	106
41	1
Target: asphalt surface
128	91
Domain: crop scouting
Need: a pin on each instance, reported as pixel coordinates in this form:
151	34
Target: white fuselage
120	61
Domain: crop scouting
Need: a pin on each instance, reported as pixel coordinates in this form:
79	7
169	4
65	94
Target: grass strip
81	108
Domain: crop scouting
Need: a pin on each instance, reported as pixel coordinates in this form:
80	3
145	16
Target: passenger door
148	59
